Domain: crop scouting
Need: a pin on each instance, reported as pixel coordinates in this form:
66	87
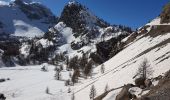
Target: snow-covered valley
79	57
30	83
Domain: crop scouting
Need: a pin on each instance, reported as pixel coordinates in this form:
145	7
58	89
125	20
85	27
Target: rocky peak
79	18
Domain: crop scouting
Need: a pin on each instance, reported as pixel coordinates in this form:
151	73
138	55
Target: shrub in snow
69	90
47	90
8	79
2	80
2	96
44	68
106	88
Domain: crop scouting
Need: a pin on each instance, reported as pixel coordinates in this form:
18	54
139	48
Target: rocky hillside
96	38
160	91
165	15
151	42
87	26
80	19
20	21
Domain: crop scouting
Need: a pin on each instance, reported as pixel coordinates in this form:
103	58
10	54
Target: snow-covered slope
122	67
119	70
16	21
157	21
151	42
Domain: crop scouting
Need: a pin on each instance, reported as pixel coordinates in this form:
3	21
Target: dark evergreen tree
74	63
83	61
88	68
92	92
75	76
102	69
47	91
57	74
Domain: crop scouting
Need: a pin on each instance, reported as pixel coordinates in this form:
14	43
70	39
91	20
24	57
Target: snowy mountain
68	38
23	18
82	30
94	60
151	42
119	70
86	27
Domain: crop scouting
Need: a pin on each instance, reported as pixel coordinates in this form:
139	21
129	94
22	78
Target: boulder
148	83
124	93
140	82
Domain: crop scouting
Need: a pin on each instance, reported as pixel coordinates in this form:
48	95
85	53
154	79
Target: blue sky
133	13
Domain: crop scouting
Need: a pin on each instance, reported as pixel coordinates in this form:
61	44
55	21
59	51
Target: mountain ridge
87	63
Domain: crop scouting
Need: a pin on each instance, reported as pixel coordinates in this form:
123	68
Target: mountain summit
80	19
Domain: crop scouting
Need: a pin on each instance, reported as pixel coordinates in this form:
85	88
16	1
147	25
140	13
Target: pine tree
67	63
102	68
75	76
88	68
47	90
144	70
74	64
58	75
92	92
73	96
83	60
